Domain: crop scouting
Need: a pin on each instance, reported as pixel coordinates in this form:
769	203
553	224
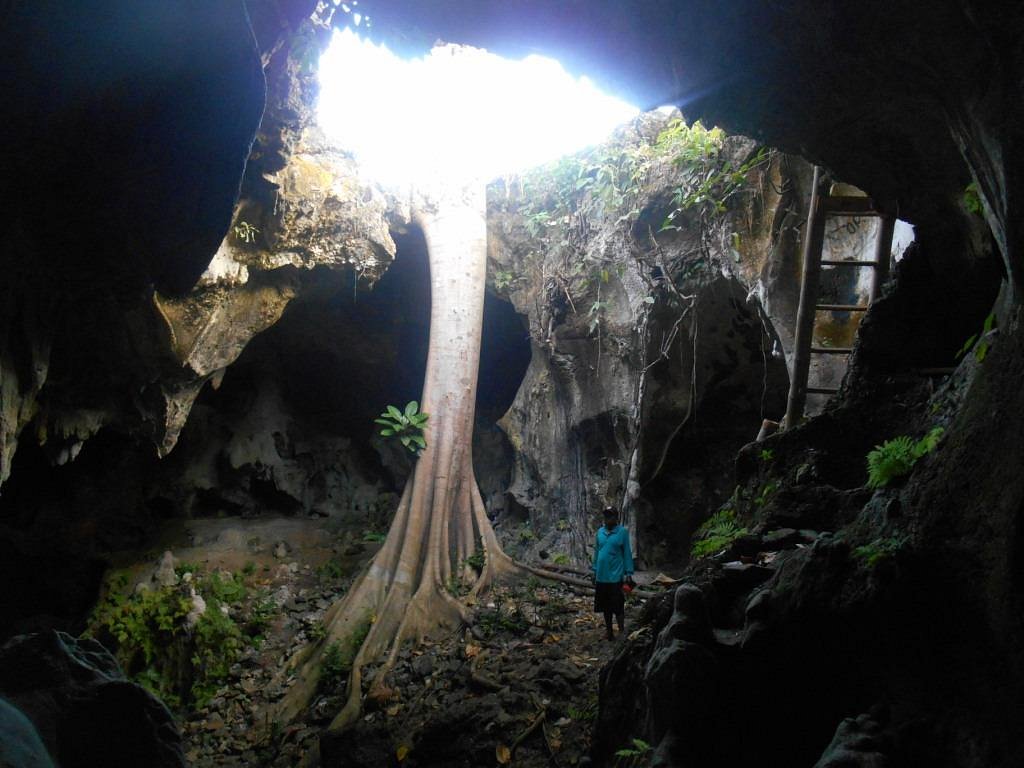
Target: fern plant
874	552
636	755
717	533
895	458
405	426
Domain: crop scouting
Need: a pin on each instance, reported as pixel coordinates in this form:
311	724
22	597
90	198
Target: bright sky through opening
459	114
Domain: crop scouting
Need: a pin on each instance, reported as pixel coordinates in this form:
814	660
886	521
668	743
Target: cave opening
546	113
626	359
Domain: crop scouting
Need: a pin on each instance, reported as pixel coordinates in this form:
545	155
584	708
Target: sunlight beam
458	114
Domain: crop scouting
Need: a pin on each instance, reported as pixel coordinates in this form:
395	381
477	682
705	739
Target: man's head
611	517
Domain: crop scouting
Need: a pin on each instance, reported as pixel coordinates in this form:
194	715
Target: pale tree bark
440	520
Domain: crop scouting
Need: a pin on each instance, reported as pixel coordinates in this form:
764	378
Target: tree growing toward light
481	105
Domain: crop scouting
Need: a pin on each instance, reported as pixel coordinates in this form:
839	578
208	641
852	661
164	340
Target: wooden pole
883	255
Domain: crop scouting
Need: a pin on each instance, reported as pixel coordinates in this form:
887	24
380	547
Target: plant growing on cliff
895	458
405	426
979	341
717	533
708	182
245	232
972	199
503	279
874	552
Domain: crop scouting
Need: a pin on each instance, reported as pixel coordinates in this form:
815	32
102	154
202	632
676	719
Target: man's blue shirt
612	556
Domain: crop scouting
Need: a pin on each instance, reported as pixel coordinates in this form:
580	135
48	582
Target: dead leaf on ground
402	752
503	754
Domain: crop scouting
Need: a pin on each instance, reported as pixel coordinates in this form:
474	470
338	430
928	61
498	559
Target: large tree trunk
441	519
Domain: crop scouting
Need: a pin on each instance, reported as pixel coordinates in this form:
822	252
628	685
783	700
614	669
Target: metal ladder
822	206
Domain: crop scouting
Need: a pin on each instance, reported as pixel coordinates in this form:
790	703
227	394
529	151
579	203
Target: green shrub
476	560
895	458
525	534
217	642
972	199
333	669
491	621
156	648
336	663
585	713
261	614
331	570
230	590
149	634
717	533
766	493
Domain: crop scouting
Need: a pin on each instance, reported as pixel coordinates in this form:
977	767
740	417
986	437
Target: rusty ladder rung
841	307
835	263
822	390
849	206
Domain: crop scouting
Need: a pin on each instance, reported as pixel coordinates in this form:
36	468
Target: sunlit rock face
628	399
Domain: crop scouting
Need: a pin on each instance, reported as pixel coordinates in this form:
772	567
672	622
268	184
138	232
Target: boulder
85	710
859	743
20	745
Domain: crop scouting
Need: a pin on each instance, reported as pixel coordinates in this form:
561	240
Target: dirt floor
518	687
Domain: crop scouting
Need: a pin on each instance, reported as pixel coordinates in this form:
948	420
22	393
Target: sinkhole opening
458	114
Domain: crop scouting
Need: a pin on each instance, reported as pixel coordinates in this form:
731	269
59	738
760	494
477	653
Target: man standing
613	562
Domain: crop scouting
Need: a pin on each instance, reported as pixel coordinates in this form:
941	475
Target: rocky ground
519	686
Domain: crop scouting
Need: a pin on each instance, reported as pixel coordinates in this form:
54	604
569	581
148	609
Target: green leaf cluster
336	662
972	199
895	458
491	621
874	552
331	570
149	633
717	533
633	756
503	278
585	713
766	493
708	181
978	342
476	560
405	426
